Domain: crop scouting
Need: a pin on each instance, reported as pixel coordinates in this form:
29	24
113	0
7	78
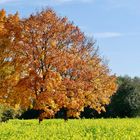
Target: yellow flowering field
83	129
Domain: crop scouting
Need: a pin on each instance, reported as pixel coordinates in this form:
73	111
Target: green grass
94	129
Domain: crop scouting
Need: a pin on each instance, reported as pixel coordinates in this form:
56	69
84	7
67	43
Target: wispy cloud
113	34
61	1
70	1
44	2
107	34
7	1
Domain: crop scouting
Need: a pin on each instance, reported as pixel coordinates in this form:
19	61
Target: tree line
124	103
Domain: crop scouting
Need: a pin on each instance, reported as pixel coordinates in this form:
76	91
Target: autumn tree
55	66
9	34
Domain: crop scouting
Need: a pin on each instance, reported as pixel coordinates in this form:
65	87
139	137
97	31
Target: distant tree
126	101
134	98
55	67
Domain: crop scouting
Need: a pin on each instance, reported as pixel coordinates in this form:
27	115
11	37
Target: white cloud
87	1
107	34
66	1
7	1
61	1
102	35
49	2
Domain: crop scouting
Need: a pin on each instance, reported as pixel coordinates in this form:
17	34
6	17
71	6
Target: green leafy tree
126	101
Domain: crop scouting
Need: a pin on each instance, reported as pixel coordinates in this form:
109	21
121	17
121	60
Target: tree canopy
50	64
126	101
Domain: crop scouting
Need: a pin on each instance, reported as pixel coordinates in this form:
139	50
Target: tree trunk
65	114
41	116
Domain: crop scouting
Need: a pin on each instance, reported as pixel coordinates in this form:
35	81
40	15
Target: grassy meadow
83	129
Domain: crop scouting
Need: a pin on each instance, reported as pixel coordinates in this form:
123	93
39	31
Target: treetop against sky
113	23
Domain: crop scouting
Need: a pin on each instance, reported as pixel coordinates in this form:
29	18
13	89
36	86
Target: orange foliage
54	66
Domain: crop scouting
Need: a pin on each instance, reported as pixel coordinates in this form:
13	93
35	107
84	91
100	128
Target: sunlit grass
98	129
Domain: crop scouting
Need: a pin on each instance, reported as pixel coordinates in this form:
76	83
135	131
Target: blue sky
115	24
